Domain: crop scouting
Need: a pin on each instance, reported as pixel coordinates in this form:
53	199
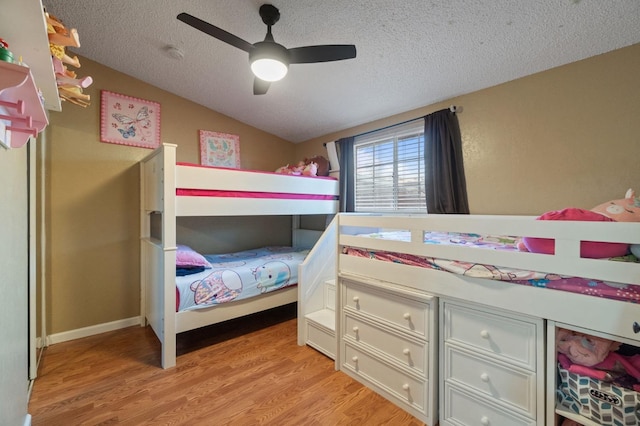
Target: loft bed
406	235
171	190
601	296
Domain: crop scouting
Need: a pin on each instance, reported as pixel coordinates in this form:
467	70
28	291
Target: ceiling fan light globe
269	69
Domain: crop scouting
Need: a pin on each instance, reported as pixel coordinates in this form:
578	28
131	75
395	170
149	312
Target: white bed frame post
169	253
158	256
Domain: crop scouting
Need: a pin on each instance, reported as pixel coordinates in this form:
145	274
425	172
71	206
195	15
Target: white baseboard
27	420
92	330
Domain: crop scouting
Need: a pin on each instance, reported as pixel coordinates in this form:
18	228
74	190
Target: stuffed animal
314	166
583	349
616	368
310	169
623	210
321	163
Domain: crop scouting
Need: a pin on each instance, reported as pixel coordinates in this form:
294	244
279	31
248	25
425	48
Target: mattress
309	190
239	275
609	290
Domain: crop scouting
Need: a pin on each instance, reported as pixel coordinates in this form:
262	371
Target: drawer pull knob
405	387
636	327
484	334
484	377
356	299
485	421
354	358
406	351
355	329
407	316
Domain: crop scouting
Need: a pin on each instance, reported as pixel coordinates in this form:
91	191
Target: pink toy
609	370
583	349
624	210
310	169
587	248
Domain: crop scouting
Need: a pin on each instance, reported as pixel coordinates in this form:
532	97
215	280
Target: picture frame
126	120
219	149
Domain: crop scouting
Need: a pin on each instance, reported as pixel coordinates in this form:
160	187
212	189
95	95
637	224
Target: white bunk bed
161	180
478	350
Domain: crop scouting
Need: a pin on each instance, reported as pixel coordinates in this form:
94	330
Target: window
389	169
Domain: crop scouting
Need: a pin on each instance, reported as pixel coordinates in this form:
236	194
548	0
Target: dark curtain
347	174
445	184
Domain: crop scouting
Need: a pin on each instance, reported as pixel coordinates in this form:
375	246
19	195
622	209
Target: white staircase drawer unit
403	387
513	340
409	315
508	384
411	353
464	408
321	339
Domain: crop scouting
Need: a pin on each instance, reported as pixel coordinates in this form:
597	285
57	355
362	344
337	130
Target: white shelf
21	112
24	28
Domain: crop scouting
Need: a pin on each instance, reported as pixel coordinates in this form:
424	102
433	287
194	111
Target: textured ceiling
410	53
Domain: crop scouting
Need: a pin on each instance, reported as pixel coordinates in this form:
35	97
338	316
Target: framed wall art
129	121
219	149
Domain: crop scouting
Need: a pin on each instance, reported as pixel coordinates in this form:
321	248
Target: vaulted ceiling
410	53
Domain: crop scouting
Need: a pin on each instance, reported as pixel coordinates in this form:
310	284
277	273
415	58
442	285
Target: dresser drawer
406	352
499	381
510	338
407	314
466	408
403	387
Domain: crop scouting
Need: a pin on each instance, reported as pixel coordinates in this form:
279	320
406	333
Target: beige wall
93	197
568	137
564	137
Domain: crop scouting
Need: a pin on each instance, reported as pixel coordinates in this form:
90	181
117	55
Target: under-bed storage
387	341
596	377
493	357
508	375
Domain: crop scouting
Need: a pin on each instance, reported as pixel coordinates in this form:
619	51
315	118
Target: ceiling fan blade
260	87
324	53
214	31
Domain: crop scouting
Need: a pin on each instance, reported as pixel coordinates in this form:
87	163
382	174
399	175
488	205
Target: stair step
324	317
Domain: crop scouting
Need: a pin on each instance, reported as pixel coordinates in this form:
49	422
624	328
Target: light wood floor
244	372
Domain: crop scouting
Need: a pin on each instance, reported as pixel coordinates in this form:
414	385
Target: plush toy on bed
314	166
623	210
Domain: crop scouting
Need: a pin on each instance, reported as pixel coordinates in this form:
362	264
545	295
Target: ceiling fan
269	60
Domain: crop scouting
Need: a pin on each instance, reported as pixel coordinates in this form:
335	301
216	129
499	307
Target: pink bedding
253	194
609	290
249	194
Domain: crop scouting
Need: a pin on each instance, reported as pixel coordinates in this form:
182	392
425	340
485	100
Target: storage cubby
588	390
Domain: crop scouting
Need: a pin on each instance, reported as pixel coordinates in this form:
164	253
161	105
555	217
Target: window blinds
390	169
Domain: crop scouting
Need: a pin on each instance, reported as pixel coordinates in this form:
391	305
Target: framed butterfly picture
219	149
125	120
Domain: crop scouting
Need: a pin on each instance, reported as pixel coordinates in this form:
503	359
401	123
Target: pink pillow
186	257
589	249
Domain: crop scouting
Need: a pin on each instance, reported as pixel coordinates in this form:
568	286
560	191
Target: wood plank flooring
248	371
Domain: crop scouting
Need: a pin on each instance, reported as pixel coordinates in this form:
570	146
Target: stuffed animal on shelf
583	349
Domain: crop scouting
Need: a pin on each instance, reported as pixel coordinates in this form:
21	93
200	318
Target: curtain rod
452	108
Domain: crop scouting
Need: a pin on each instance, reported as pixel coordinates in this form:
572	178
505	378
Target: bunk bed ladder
317	294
